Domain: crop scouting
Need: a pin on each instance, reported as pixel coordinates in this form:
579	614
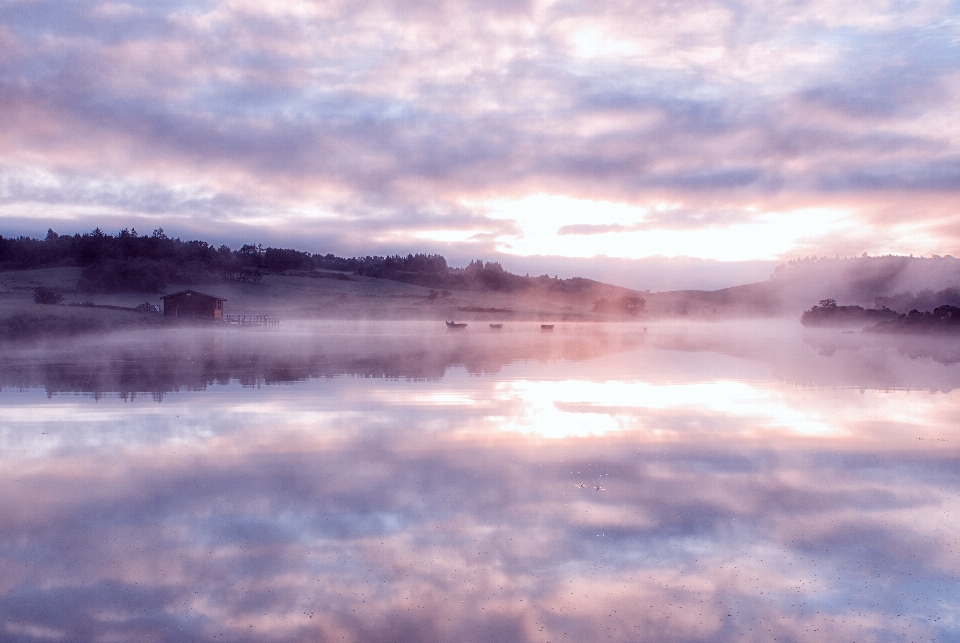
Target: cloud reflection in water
388	509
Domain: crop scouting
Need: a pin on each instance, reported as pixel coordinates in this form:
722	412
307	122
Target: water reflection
173	360
675	485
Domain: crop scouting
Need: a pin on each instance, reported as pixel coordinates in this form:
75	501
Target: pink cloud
382	109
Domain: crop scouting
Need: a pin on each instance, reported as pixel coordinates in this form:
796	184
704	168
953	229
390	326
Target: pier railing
251	319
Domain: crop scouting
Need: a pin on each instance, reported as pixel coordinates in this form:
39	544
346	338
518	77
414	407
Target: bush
46	296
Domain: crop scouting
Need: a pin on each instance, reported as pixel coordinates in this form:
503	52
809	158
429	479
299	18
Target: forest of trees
924	300
828	313
943	318
131	262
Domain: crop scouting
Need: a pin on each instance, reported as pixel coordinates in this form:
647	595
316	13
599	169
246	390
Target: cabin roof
193	292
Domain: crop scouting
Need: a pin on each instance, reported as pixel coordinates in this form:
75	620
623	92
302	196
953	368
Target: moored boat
496	326
455	325
546	327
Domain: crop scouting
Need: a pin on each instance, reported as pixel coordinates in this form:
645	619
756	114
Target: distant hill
899	283
130	262
872	282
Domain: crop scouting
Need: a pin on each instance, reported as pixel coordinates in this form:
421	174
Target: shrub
46	296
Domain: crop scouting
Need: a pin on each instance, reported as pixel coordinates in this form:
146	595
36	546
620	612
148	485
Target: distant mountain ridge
896	282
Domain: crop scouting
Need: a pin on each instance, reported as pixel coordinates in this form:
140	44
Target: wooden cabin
191	303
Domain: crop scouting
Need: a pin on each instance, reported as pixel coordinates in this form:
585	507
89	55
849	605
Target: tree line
133	262
943	318
129	261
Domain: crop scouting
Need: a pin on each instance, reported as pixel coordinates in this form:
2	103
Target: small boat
454	325
496	326
546	327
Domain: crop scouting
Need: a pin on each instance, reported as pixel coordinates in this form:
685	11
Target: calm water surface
398	482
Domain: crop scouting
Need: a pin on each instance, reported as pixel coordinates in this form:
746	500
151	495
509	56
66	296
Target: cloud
667	218
399	107
586	228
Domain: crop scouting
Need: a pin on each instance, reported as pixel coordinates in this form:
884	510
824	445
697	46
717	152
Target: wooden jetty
251	319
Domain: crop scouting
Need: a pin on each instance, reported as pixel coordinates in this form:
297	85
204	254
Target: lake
375	481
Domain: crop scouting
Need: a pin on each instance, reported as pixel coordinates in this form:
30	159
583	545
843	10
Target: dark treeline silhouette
127	261
923	300
131	262
828	313
942	319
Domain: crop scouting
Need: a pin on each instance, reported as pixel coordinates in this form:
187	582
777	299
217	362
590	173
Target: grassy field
287	297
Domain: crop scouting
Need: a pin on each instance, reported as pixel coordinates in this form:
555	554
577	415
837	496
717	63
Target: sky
713	139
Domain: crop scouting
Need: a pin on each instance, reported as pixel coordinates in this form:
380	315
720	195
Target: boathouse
191	303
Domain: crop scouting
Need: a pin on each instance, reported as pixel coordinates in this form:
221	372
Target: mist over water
395	481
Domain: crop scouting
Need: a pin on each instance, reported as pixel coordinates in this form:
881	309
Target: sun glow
596	228
578	408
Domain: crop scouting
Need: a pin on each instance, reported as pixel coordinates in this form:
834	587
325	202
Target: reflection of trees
136	363
131	363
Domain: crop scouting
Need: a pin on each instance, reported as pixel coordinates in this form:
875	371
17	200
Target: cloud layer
354	124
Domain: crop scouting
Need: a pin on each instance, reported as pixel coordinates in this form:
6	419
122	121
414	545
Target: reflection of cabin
190	303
